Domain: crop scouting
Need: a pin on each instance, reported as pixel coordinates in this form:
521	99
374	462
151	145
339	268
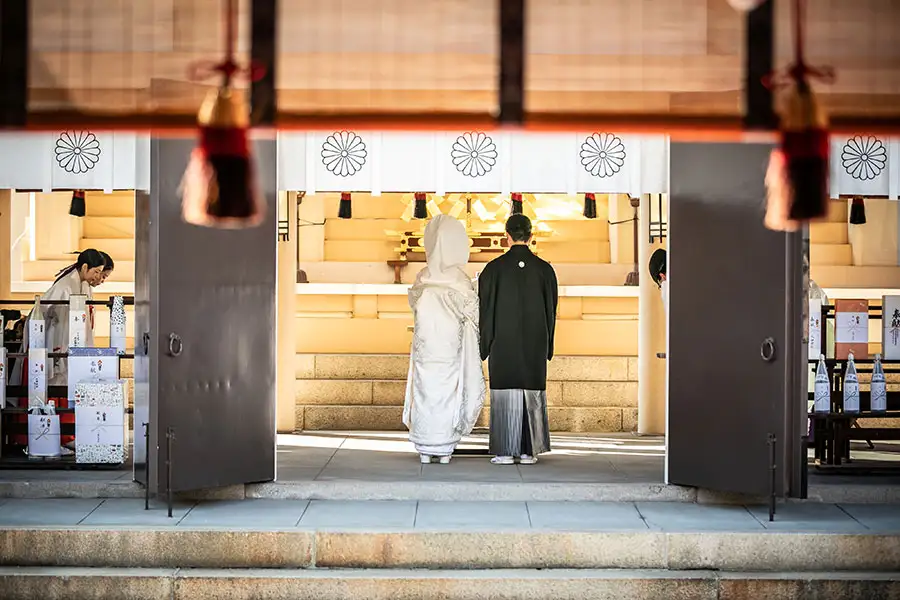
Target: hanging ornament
219	187
421	210
590	206
77	206
345	209
516	207
858	211
797	179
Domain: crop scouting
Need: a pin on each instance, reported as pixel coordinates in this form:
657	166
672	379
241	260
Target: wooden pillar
651	337
286	318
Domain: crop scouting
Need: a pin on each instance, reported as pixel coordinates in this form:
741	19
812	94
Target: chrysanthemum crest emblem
344	153
77	151
474	154
864	158
602	154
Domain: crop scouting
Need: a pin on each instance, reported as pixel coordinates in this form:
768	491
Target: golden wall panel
610	306
360	250
394	304
390	336
323	303
564	251
364	228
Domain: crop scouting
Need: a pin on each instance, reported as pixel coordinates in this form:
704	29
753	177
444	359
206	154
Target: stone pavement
384	466
374	515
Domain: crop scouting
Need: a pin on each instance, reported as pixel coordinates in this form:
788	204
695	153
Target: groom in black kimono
518	296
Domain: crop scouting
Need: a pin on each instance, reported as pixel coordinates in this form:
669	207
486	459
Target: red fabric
215	141
812	143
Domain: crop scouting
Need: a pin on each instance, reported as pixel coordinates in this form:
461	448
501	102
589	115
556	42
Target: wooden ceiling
656	58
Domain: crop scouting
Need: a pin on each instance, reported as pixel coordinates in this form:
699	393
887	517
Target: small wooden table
398	266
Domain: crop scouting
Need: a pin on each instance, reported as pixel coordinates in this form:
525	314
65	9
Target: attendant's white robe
445	387
56	326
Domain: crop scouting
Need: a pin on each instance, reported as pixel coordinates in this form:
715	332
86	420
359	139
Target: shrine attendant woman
78	278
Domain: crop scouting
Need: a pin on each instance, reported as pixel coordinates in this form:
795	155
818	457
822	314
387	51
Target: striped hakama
519	423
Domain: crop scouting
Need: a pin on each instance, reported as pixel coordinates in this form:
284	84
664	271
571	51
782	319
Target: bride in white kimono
445	386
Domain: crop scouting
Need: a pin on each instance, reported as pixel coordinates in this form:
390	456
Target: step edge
437	574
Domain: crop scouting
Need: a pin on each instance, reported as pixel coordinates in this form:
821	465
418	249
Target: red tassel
420	211
77	207
798	173
590	206
807	156
858	211
219	187
345	209
516	204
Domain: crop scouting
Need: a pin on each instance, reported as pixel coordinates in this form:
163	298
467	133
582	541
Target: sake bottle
878	387
851	387
37	336
823	388
117	324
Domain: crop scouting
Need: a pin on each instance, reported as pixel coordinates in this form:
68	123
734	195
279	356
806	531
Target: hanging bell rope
219	187
797	179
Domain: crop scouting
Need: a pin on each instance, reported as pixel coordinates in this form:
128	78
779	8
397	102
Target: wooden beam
512	62
759	61
263	53
14	62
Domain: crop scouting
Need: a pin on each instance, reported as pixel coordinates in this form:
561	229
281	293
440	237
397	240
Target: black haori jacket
518	295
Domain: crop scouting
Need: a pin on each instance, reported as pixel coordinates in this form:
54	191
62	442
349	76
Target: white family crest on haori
445	385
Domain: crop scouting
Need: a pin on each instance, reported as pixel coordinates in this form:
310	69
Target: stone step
394	584
119	249
46	270
395	367
837	211
831	276
108	227
829	233
117	204
234	547
121	488
334	414
831	254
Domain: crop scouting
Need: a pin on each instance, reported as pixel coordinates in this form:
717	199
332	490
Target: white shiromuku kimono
445	387
56	323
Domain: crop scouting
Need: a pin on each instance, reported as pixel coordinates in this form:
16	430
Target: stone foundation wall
366	392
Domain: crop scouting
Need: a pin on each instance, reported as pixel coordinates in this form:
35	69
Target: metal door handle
175	345
767	349
146	339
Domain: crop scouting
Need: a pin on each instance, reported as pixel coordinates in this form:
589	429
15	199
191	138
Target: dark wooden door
731	342
214	384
